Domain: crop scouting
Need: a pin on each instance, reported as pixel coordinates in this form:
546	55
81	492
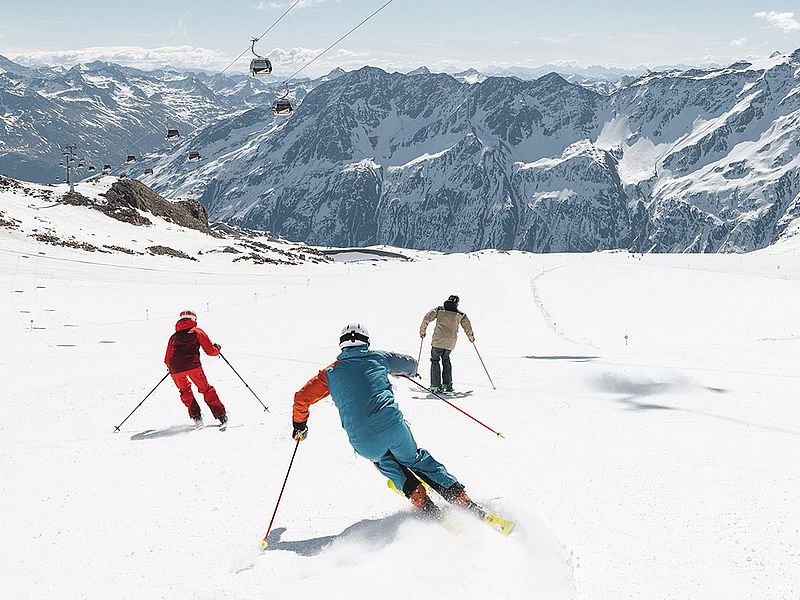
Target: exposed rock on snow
129	193
167	251
110	216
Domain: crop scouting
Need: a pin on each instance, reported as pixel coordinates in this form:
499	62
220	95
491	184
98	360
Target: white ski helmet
189	314
353	334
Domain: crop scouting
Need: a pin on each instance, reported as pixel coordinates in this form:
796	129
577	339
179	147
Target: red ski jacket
183	349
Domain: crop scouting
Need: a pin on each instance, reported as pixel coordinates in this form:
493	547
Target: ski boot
198	421
435	389
223	422
447	387
456	495
420	499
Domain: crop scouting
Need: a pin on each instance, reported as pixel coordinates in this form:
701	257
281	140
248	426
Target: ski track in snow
656	469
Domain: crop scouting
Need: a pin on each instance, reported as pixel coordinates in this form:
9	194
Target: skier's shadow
565	358
151	434
372	534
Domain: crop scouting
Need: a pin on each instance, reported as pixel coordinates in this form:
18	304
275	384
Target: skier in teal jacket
359	385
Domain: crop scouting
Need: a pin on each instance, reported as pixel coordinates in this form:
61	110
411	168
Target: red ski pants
184	382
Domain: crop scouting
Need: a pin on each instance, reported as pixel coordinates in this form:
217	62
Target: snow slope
660	469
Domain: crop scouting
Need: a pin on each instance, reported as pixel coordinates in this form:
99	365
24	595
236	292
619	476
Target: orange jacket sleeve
315	390
205	342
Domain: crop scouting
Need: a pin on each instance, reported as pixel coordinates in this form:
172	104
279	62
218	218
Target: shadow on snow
373	534
632	391
565	358
151	434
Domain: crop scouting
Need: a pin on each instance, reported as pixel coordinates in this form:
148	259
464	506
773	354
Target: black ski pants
444	373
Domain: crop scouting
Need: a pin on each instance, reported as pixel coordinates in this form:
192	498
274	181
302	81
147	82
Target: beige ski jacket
445	333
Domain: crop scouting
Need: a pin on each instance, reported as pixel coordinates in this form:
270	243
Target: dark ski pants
184	382
397	456
443	374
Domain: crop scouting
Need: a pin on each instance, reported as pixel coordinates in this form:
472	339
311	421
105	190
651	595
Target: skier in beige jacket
445	334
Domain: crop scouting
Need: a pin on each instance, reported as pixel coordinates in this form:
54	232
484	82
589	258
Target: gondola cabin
282	106
260	66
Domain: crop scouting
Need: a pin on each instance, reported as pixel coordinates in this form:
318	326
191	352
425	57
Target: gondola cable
235	60
329	48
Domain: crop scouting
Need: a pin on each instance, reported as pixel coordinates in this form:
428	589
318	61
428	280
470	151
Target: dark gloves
299	431
217	346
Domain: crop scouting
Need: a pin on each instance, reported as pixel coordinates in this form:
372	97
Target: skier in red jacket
183	361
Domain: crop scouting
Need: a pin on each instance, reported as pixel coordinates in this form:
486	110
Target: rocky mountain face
111	112
679	161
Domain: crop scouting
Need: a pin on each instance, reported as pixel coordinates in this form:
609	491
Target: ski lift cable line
329	48
286	12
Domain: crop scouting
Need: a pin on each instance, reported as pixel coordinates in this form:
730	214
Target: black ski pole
419	356
244	382
484	366
265	541
116	428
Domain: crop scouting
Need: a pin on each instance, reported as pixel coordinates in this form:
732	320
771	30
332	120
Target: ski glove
299	431
217	346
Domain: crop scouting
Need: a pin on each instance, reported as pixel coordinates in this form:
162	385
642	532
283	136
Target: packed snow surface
649	407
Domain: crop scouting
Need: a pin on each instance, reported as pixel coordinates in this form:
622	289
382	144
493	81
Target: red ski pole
264	542
463	412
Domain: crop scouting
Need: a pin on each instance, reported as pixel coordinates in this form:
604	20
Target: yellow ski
499	524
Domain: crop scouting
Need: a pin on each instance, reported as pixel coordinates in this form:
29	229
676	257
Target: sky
445	35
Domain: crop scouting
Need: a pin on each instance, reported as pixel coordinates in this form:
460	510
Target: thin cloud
181	29
784	21
284	60
740	42
187	57
267	6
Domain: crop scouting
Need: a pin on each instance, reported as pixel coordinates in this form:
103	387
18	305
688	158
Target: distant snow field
649	407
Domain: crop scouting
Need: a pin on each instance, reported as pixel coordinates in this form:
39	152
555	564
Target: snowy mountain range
110	111
678	161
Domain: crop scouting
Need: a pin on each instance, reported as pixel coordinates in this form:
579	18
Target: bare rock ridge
127	197
129	193
148	224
